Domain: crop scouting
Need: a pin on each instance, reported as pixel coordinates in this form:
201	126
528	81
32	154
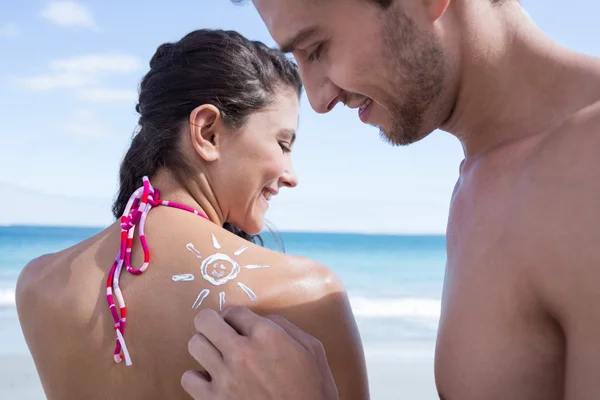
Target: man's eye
316	54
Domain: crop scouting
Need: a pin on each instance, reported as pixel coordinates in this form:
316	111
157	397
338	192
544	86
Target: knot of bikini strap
145	197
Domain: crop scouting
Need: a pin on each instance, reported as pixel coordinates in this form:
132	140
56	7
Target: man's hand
250	357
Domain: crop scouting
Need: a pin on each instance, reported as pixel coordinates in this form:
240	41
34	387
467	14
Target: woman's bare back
61	300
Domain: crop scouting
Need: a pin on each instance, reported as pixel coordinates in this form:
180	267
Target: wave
396	307
7	297
363	307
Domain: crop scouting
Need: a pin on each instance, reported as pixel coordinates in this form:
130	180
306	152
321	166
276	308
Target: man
519	309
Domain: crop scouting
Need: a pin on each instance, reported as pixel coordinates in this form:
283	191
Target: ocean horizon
394	281
318	231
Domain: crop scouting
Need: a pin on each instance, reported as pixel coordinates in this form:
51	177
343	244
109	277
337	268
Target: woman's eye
284	147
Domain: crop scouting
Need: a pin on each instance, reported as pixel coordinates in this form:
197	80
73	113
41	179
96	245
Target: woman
218	119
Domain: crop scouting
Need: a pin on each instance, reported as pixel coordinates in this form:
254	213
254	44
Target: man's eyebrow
290	44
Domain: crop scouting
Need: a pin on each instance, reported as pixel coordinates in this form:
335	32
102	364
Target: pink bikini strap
139	205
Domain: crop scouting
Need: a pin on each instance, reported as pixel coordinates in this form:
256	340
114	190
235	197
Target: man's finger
210	324
206	354
241	319
306	340
195	384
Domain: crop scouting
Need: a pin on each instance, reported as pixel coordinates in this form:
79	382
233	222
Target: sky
68	85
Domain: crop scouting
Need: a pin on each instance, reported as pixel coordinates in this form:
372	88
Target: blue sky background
68	81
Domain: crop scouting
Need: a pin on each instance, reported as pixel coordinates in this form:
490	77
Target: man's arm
567	257
572	296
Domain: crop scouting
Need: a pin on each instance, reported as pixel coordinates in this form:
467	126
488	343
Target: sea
394	282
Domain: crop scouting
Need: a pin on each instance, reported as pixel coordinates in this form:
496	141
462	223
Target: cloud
9	30
69	14
85	73
53	81
97	63
87	124
97	95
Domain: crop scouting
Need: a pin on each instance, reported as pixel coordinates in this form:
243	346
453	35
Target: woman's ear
206	125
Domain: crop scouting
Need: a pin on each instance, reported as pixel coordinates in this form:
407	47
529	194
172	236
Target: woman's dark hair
218	67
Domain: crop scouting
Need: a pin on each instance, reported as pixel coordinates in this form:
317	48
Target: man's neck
516	82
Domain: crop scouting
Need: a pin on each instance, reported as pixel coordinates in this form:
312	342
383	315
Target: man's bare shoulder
565	168
564	249
560	209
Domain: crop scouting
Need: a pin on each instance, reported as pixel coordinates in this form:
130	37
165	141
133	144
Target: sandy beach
18	379
389	379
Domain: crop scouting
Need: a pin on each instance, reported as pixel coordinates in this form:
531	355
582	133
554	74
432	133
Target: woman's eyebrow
288	133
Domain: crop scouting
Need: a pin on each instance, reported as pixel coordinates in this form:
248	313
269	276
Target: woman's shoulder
310	274
299	288
47	272
287	278
199	242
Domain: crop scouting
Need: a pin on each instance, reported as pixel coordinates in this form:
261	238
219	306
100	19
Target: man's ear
206	125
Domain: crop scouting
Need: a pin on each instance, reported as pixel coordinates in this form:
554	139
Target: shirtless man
522	282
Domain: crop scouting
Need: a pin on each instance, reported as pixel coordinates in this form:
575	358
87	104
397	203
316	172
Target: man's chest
490	347
494	341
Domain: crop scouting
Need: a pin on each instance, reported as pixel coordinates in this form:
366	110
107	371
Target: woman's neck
195	193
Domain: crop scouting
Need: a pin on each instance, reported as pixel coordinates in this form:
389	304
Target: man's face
380	61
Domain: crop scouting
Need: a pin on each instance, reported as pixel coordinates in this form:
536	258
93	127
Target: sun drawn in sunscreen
218	269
